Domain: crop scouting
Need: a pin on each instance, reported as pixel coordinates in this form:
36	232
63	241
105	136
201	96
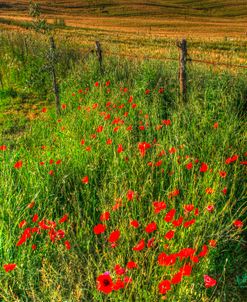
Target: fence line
172	59
217	64
183	59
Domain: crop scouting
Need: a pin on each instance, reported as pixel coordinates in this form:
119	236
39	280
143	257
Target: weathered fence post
53	73
1	79
182	69
99	54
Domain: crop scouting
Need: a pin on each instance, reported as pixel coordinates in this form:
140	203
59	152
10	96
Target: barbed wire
174	59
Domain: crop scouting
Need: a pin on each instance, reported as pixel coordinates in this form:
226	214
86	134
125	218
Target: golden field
215	30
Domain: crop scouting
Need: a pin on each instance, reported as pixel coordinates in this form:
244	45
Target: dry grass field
216	30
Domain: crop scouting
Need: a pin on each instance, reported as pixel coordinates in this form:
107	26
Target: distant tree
39	23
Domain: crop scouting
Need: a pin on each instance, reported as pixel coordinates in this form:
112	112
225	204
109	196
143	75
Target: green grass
53	273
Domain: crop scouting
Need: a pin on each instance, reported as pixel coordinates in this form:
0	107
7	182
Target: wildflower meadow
129	193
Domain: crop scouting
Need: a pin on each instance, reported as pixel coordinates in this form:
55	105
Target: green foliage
39	23
52	273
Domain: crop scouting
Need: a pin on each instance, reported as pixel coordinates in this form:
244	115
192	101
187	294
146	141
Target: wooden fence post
182	69
54	77
1	79
99	54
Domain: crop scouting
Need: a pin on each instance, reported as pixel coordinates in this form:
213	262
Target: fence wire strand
191	60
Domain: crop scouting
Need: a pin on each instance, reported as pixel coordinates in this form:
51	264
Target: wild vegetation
130	194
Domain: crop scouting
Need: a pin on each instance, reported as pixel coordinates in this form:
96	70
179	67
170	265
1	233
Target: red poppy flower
34	247
209	191
164	287
119	284
186	270
177	278
139	246
196	212
189	166
224	191
216	125
166	260
51	172
150	242
212	243
189	223
204	167
119	270
44	110
3	148
130	195
35	217
166	122
108	83
105	216
67	244
9	267
99	129
58	162
99	229
178	222
25	235
114	236
209	282
127	279
104	283
134	223
189	207
159	206
143	146
151	227
60	234
158	163
210	208
186	253
18	164
169	216
162	152
204	251
22	223
85	180
172	150
222	174
238	223
63	219
231	159
131	265
174	193
120	148
43	225
109	141
169	235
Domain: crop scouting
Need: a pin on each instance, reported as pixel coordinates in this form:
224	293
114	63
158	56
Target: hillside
210	8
